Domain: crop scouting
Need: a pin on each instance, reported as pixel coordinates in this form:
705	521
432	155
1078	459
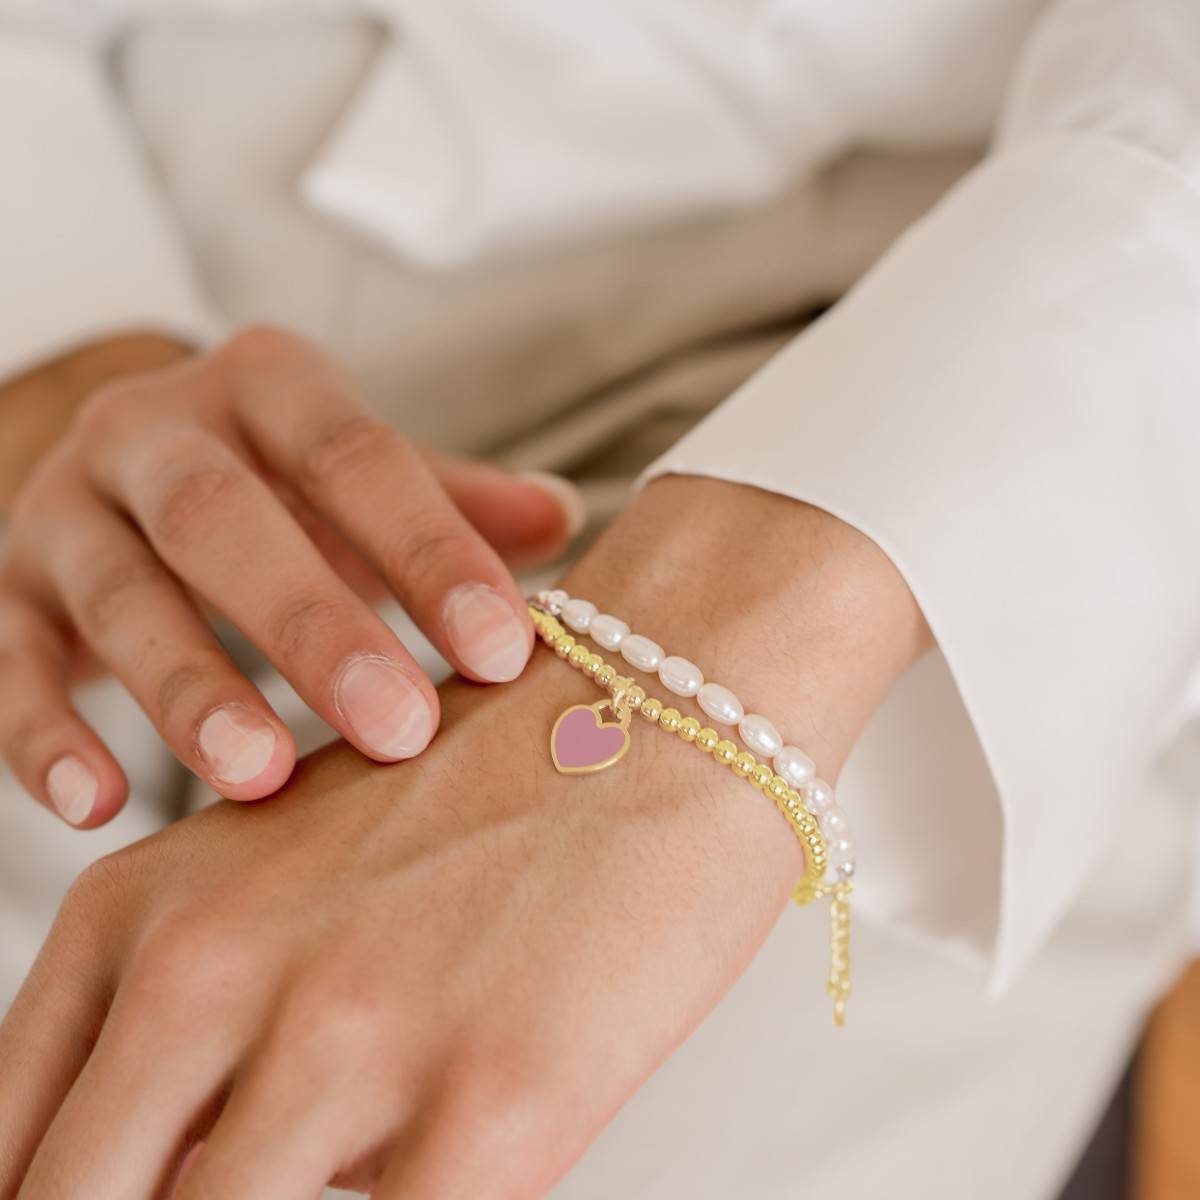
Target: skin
440	979
249	484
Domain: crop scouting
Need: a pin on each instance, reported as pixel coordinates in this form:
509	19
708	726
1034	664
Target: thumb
528	518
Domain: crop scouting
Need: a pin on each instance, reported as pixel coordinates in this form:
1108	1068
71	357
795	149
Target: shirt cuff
89	250
1006	406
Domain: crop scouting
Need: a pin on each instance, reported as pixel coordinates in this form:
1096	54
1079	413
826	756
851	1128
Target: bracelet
582	742
758	734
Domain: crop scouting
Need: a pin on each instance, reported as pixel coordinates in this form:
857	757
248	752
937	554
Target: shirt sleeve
87	245
1006	404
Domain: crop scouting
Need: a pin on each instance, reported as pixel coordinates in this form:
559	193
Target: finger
219	527
528	519
45	1040
273	1141
460	1149
152	1079
376	488
54	754
139	622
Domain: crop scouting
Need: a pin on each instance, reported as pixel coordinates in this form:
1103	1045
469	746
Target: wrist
673	801
805	618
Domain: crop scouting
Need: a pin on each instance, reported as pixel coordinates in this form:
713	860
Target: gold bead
651	709
762	775
563	645
725	752
605	675
744	764
707	740
792	800
669	720
779	788
634	697
593	664
689	727
579	655
622	683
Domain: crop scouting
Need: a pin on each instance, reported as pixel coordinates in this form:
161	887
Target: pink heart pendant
582	741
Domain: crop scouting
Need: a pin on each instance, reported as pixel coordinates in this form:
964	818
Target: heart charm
582	741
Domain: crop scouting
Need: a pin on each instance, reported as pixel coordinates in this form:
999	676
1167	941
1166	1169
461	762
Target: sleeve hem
1016	438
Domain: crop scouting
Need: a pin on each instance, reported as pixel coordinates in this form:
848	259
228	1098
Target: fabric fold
1006	405
89	247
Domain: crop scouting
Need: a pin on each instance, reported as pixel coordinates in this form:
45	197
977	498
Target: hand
254	483
442	979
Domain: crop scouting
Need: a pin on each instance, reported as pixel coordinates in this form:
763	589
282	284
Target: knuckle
102	887
21	740
423	549
191	494
497	1111
38	505
344	448
261	343
327	1021
108	408
22	737
111	591
294	622
178	691
187	964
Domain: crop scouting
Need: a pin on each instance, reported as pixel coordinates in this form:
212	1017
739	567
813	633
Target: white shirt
1005	403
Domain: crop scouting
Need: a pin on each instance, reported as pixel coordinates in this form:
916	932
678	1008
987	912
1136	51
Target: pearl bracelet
758	734
582	742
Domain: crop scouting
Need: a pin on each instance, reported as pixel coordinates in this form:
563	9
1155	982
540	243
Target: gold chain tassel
838	986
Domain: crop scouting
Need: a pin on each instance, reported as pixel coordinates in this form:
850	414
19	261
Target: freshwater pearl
835	823
795	766
555	600
680	676
818	796
720	704
641	652
578	614
607	631
841	851
760	736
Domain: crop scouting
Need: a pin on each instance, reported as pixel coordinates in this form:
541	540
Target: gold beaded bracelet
582	742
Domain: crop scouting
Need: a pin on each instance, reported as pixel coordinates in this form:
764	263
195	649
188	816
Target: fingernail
565	493
72	786
486	634
383	706
236	744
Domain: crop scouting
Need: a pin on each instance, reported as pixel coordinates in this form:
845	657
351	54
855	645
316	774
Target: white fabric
662	109
1036	500
1065	270
659	111
1006	406
87	247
